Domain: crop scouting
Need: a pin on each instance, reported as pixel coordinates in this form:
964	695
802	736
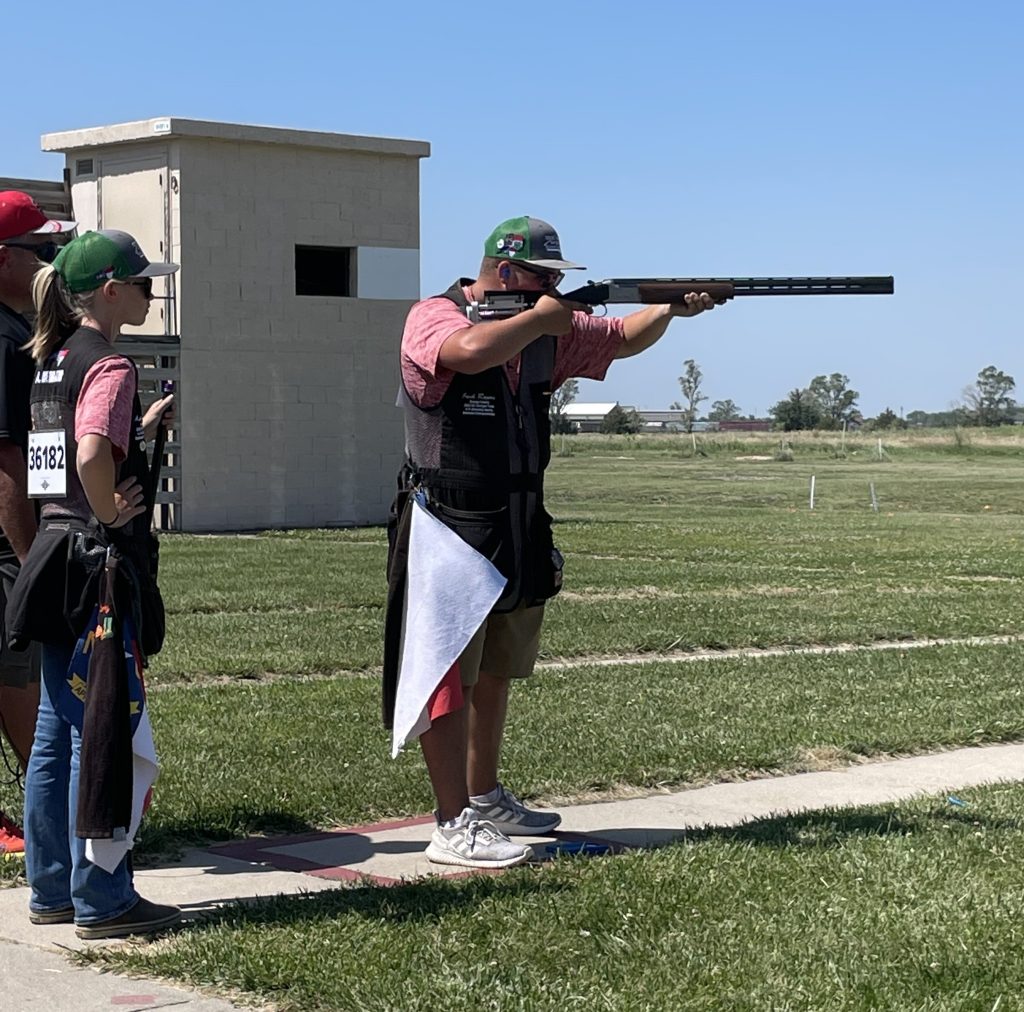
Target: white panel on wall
384	273
85	198
132	198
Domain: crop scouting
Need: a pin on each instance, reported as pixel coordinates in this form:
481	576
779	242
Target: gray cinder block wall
286	400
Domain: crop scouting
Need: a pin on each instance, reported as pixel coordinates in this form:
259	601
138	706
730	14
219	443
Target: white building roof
175	126
598	410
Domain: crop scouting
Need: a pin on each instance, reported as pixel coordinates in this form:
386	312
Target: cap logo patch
511	243
552	245
105	273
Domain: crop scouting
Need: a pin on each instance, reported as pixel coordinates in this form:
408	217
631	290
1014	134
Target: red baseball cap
20	215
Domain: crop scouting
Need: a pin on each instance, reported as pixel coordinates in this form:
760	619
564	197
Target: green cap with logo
94	258
529	239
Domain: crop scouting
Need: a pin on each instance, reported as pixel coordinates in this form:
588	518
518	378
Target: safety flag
108	853
112	800
450	589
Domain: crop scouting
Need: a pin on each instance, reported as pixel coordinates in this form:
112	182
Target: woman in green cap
89	469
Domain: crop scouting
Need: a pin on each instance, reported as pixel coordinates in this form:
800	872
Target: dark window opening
323	270
83	167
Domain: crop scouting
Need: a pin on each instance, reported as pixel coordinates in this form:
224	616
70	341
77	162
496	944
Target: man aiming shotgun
479	363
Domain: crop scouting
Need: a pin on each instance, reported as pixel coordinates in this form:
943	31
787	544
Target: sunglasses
46	251
551	279
146	284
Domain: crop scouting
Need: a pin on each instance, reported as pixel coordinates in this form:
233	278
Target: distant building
588	417
672	420
746	425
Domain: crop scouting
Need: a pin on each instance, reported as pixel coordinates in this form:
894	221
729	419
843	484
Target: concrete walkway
36	975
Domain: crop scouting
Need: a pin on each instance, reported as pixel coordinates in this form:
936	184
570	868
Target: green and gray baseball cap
107	255
529	239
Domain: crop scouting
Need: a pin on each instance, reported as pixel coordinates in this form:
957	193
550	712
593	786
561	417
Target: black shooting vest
56	589
55	392
481	455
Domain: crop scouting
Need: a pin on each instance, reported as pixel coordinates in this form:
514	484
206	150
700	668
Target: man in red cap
26	241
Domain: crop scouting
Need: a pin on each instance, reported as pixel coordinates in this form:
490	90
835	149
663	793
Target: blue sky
660	138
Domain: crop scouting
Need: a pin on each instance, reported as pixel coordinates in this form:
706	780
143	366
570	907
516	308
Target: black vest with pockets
481	454
55	395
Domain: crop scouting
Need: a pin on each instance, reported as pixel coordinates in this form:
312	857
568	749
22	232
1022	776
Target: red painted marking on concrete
343	874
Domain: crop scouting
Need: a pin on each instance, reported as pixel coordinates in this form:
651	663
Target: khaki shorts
504	646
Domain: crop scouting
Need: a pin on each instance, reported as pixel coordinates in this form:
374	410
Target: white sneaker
472	842
511	816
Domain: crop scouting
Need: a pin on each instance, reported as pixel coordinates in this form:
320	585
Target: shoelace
483	828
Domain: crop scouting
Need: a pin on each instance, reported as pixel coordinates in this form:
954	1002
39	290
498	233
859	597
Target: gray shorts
504	646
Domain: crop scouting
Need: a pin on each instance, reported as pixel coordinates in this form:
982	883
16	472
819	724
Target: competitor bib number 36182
47	464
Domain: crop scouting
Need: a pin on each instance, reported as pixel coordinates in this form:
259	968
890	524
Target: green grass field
666	551
909	908
265	704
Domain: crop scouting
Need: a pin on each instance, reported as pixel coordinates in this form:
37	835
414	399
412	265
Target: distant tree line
827	402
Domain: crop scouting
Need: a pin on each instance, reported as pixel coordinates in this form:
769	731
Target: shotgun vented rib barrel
658	290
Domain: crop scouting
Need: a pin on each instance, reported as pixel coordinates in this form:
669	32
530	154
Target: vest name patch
478	405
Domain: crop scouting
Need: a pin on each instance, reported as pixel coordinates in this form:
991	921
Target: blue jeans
58	871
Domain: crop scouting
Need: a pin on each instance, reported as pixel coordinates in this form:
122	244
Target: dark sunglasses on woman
146	284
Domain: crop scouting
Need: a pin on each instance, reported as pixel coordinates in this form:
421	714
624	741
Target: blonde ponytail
58	313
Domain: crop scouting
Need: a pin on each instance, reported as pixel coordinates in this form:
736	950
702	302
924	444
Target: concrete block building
299	256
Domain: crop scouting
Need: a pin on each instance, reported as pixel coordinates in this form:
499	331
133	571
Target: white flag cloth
450	588
109	853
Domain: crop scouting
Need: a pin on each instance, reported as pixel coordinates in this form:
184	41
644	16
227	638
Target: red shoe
12	839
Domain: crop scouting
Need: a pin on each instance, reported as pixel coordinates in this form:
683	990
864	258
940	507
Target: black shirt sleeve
16	373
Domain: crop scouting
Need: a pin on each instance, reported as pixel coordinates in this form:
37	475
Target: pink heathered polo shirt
105	404
586	352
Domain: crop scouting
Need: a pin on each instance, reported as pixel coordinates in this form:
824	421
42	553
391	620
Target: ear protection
504	271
